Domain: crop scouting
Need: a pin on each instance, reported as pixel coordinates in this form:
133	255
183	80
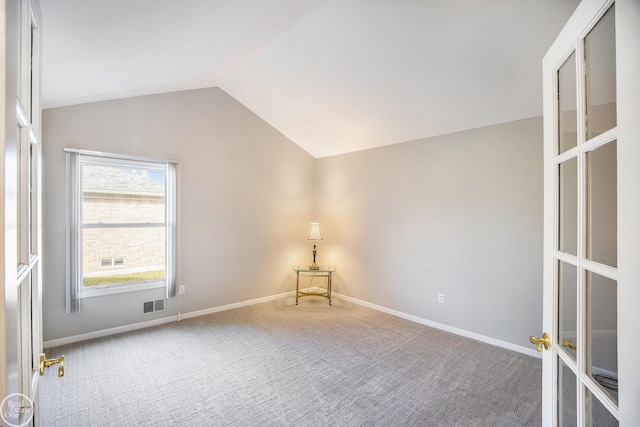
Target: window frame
76	160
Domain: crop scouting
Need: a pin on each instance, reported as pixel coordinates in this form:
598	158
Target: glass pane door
585	254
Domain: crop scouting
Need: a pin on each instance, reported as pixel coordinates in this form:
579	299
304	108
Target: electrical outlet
441	298
181	289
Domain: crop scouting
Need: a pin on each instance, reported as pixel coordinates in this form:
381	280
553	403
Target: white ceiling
334	76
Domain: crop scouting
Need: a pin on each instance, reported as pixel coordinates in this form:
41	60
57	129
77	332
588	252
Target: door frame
628	75
9	54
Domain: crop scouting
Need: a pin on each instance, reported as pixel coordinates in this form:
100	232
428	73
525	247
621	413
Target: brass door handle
569	343
45	363
540	342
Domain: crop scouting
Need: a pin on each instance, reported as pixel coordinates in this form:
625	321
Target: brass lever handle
45	363
569	343
540	342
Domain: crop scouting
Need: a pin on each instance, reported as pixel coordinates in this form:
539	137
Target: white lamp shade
314	232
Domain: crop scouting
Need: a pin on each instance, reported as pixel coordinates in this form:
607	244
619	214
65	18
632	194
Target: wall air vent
152	306
147	307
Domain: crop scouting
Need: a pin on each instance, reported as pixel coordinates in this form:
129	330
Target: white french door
23	260
29	275
591	265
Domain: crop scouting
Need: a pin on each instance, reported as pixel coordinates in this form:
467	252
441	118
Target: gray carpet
277	364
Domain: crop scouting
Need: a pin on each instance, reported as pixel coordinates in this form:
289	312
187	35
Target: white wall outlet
181	289
441	298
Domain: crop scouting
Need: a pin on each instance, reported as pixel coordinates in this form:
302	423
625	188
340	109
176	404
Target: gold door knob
540	342
45	363
569	343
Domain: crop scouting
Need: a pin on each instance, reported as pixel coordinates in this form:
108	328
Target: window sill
99	291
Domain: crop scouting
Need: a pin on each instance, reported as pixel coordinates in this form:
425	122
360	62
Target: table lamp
314	236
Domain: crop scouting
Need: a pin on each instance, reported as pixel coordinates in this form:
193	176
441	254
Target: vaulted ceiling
334	76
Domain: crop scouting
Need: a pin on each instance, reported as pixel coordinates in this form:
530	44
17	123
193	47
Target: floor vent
152	306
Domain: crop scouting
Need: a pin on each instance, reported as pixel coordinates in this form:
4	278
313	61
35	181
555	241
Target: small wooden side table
324	271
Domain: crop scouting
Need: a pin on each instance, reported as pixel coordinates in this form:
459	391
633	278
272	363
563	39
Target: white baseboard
135	326
179	316
457	331
234	305
106	332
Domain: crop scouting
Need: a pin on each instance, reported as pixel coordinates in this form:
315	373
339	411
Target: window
122	206
111	262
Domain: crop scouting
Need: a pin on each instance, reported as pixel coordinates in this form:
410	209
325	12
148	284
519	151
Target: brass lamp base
314	266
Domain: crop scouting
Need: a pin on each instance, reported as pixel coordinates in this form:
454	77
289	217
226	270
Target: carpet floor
278	364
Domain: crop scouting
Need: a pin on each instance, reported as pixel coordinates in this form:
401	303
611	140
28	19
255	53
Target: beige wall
245	201
459	214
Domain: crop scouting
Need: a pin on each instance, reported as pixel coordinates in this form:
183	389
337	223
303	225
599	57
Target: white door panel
592	206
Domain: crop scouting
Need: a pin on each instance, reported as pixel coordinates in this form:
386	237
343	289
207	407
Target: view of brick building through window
124	230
